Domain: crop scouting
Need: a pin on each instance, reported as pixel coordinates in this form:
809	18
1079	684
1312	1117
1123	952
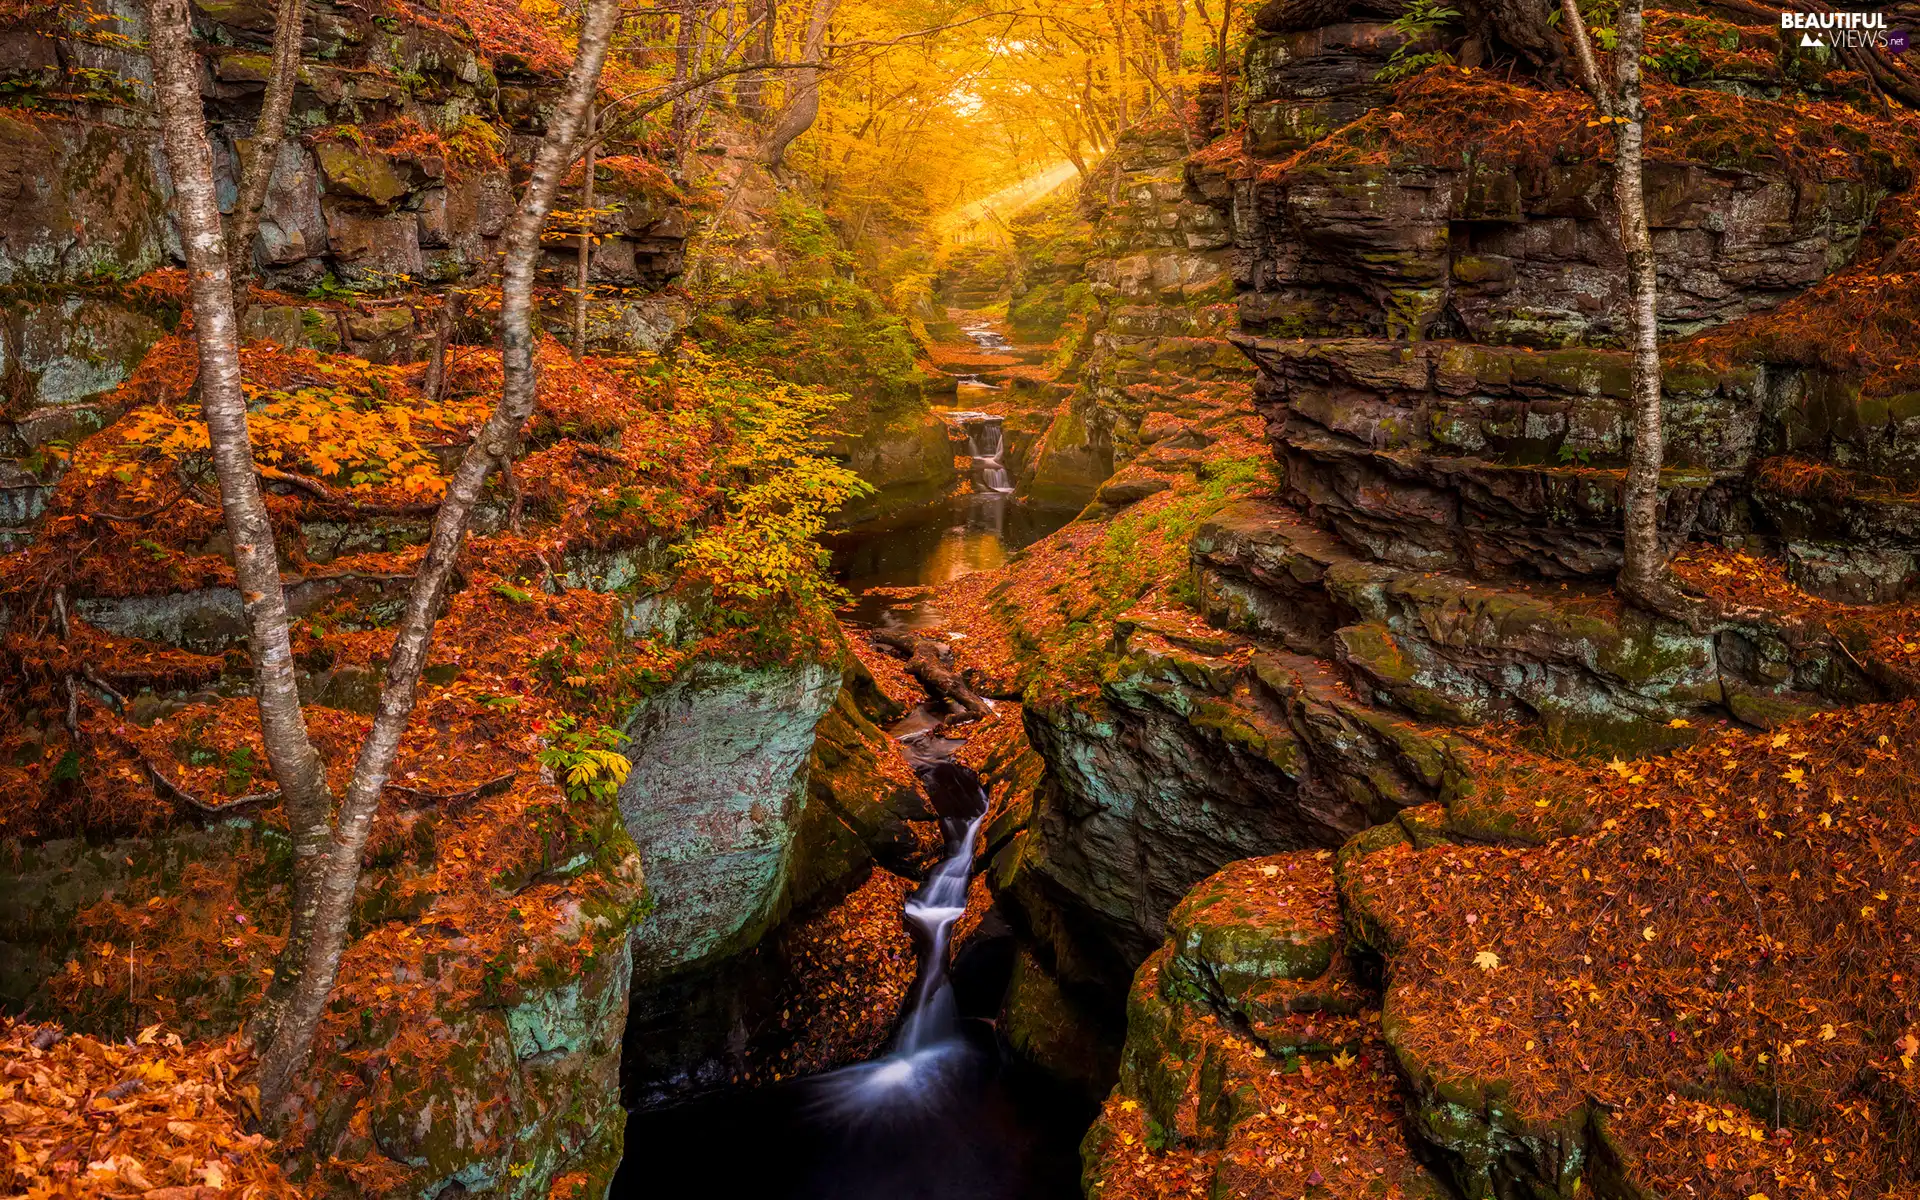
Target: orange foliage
1673	963
153	1115
631	173
1443	115
1857	322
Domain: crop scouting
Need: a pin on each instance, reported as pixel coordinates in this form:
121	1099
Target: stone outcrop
1160	272
1436	341
717	786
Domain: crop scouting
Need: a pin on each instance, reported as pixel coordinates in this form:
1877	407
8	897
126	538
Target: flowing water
944	1114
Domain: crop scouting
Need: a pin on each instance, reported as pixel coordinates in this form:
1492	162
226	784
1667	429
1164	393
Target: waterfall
986	442
919	1068
931	912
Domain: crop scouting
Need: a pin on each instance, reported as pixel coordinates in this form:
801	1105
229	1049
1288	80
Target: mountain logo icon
1807	39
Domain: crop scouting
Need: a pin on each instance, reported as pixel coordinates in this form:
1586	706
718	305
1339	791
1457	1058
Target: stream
945	1114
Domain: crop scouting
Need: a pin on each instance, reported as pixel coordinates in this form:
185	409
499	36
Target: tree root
1662	596
453	801
245	806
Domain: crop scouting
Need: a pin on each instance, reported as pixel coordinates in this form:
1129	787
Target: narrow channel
945	1113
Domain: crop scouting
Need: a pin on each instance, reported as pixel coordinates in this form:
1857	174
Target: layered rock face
1436	340
1161	274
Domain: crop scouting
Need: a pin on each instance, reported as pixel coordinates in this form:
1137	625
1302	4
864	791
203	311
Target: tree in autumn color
804	106
1621	107
328	845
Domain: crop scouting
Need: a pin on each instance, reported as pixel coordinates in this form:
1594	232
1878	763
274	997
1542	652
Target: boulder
83	201
715	796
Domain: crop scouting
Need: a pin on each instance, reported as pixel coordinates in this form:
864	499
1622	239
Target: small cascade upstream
990	340
986	443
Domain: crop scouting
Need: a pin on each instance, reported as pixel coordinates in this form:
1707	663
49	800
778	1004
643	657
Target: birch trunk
256	566
587	223
268	132
1643	574
1645	562
287	1052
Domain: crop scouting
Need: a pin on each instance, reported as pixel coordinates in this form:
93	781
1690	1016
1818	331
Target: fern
1422	18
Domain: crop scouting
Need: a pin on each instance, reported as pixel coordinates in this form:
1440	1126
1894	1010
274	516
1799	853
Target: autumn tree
1623	110
328	844
803	104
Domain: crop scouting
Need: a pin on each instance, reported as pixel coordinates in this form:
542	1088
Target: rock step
1242	1031
1462	512
1350	762
1594	674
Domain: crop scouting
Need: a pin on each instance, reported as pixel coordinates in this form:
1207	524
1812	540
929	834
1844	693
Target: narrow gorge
1060	616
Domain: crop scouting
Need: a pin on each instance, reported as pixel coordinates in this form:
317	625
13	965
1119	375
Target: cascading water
944	1114
986	442
932	911
915	1071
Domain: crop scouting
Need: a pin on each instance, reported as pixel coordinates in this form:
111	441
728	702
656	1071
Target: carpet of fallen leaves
848	972
1332	1124
1441	115
1889	634
150	1116
1722	959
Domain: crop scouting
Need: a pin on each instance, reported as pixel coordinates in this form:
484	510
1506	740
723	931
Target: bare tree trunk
1643	575
1520	25
435	385
256	567
750	92
804	107
268	132
285	1055
689	55
1645	561
587	223
1226	75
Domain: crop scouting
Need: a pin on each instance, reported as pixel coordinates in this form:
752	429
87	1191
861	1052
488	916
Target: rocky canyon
854	598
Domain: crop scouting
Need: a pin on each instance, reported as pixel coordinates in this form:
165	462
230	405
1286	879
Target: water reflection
943	542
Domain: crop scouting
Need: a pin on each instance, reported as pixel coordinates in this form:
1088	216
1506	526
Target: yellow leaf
1487	960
